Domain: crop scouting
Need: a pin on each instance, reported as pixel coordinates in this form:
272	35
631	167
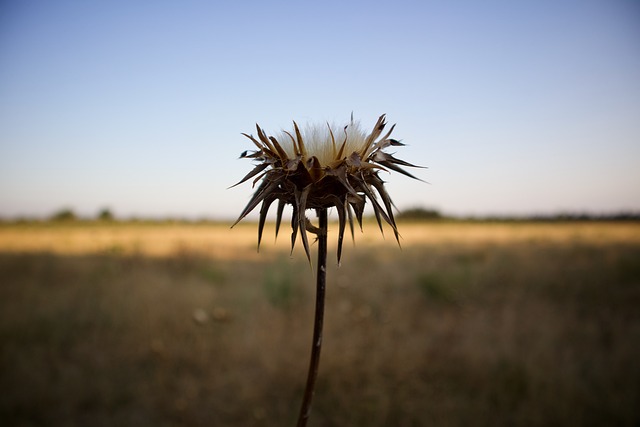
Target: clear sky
515	106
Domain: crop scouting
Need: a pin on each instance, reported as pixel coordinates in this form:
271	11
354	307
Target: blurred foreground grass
476	324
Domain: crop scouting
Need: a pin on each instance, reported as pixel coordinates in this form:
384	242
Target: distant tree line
425	214
419	214
582	216
68	215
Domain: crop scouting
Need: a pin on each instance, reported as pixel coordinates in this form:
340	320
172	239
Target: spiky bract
322	168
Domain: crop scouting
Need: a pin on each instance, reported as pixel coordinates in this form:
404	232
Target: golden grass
221	242
501	324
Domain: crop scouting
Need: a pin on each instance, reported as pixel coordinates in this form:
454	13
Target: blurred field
480	324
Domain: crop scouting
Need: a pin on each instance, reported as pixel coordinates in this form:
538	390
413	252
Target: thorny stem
316	345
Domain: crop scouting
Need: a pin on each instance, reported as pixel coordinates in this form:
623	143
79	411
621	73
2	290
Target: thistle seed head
322	167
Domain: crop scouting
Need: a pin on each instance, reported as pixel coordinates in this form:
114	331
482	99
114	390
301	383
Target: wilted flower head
323	167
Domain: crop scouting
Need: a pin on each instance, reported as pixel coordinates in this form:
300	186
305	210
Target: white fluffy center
318	142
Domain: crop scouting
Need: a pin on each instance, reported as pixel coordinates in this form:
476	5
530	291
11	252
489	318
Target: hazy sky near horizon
515	106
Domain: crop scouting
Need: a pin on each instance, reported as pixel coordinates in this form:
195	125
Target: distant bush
420	214
105	215
65	214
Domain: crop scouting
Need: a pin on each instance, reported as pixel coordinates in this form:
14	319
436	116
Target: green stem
316	345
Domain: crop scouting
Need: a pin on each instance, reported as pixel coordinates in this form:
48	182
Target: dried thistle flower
323	167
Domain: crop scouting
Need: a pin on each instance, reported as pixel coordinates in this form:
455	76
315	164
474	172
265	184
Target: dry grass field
470	324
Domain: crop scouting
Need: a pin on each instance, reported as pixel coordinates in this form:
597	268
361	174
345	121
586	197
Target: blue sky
515	106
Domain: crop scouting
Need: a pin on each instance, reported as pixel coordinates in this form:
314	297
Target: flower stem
316	344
